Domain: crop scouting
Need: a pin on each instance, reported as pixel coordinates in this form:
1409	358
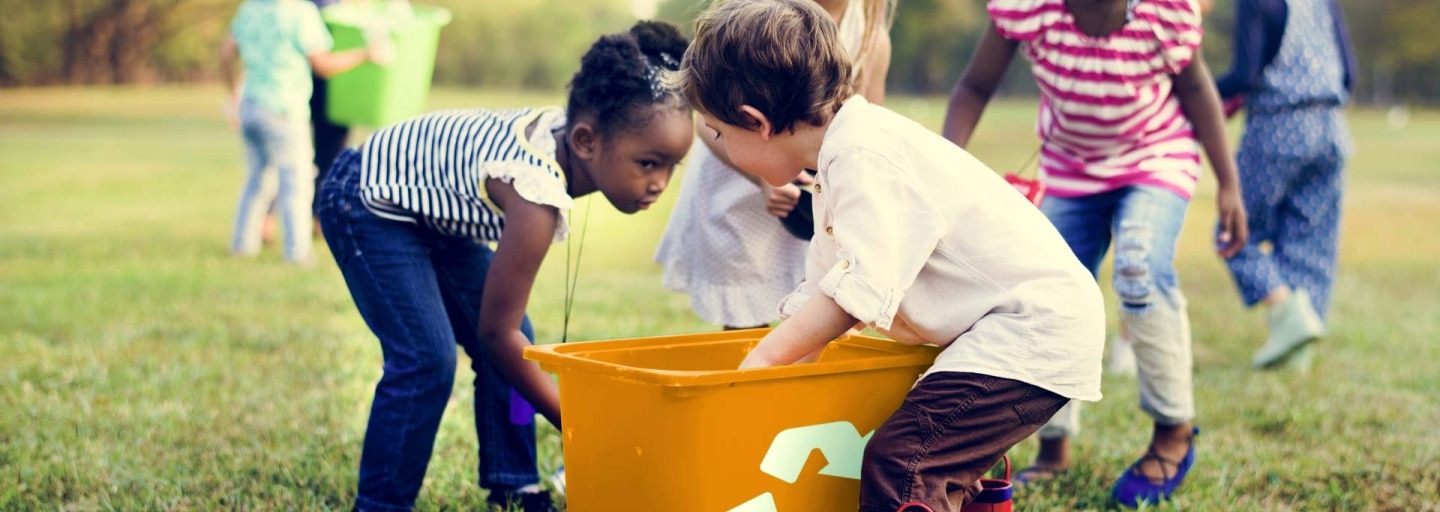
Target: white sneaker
1293	325
557	480
1122	357
1301	360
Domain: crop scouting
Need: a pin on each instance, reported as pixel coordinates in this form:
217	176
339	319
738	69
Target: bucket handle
908	507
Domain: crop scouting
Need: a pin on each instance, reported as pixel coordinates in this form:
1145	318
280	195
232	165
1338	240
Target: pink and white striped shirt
1109	117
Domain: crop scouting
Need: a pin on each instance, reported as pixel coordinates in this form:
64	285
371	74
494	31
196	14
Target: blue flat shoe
1133	487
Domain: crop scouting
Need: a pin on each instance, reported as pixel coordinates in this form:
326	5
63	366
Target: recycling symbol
840	442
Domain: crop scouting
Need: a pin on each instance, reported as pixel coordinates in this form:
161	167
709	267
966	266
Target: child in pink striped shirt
1125	98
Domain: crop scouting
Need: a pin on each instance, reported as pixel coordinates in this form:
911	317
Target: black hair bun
611	72
660	41
619	74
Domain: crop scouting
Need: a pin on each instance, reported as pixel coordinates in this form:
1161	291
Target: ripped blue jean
1142	223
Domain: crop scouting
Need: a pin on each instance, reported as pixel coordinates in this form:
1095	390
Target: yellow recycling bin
668	423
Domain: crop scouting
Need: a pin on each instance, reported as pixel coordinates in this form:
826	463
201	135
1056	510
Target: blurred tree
523	43
538	43
930	42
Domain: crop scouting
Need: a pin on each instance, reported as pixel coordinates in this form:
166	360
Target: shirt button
829	230
844	264
817	188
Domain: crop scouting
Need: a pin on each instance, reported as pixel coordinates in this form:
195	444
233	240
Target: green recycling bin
373	95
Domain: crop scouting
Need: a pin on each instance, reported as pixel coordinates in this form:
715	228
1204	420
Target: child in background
913	237
410	216
1124	96
280	43
1294	68
724	245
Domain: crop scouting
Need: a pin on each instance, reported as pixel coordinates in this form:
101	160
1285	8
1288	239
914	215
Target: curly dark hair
621	75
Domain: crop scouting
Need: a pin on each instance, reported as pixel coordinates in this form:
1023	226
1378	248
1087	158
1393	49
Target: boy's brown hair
782	57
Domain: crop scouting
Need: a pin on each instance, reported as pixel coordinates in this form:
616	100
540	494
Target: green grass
142	368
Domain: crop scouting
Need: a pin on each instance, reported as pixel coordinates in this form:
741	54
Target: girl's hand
1233	106
779	201
231	108
1233	228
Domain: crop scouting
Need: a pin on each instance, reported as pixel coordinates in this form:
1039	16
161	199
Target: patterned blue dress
1292	156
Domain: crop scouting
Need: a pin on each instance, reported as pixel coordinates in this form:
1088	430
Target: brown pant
951	429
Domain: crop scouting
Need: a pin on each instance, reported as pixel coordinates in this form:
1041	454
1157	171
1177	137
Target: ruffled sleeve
539	184
1023	20
1178	29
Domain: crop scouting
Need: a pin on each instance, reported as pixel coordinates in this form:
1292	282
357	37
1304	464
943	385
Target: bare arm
228	52
1198	98
876	69
979	81
802	336
529	230
328	64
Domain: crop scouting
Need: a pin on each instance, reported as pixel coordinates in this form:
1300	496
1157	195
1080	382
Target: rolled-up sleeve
814	271
885	228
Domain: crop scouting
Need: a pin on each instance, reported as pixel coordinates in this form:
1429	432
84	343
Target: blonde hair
879	16
782	57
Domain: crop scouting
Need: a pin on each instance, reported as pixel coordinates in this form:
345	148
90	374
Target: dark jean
420	293
328	137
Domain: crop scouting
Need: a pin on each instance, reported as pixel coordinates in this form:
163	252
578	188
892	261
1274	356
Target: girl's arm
328	64
977	84
529	231
1196	91
876	68
228	53
1248	52
801	336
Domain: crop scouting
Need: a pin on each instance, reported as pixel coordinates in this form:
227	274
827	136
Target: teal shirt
274	37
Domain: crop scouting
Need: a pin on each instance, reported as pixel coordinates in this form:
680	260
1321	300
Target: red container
994	496
1031	188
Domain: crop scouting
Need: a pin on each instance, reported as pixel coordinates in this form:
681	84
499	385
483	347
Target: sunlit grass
142	368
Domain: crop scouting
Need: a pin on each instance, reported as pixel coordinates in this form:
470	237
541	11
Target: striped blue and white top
432	169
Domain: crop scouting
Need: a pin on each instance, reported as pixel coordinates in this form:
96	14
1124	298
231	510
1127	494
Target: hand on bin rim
378	47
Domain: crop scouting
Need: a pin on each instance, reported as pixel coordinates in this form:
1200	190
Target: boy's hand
756	359
807	332
1233	228
779	201
232	111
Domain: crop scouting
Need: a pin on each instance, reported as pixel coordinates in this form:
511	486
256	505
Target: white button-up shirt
919	240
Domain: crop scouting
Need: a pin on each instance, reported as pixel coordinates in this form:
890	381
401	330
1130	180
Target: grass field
143	368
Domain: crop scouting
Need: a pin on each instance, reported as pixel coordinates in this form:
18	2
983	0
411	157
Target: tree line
536	43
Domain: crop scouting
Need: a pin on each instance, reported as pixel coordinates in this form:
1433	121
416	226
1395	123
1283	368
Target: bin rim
437	15
565	356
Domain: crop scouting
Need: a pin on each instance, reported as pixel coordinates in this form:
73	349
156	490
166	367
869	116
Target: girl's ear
584	142
766	129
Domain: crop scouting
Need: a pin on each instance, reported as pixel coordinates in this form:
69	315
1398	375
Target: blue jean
282	143
1143	223
420	293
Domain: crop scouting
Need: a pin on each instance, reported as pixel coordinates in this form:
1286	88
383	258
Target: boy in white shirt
915	238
